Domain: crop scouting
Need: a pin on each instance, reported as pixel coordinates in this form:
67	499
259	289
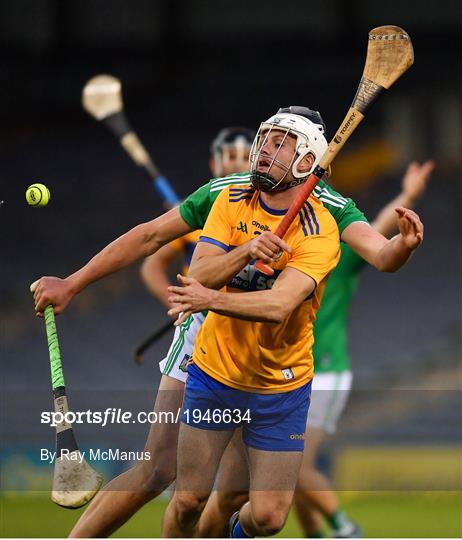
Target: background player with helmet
229	154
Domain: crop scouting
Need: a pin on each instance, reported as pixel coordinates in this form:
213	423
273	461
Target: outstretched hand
192	297
416	179
410	227
51	290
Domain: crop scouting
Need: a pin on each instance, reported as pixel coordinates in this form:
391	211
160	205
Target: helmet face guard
264	181
309	140
231	144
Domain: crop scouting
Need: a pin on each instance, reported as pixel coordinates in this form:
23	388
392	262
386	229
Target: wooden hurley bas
389	55
102	99
75	482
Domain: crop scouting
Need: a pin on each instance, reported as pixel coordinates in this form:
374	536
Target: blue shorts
272	422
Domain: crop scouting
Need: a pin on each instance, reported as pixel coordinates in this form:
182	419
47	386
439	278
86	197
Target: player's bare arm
272	305
213	268
154	272
141	241
413	186
386	255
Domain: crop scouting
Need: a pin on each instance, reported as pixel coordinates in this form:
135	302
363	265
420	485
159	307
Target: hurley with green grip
75	482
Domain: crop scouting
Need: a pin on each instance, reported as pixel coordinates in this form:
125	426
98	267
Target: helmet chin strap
265	182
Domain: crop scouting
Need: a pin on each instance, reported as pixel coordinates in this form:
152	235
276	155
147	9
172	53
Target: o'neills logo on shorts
297	436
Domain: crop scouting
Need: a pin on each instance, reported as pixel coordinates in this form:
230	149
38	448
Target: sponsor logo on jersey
260	226
250	279
243	227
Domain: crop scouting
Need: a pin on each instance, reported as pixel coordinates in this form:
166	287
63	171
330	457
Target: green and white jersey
195	209
330	328
330	349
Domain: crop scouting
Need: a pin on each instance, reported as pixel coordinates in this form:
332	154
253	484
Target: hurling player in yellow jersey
214	267
252	362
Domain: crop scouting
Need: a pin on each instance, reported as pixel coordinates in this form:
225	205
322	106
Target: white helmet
308	128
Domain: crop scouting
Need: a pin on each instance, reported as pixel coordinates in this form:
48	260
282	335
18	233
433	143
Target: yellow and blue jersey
185	245
266	357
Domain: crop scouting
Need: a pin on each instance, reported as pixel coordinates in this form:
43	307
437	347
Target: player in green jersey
333	377
123	496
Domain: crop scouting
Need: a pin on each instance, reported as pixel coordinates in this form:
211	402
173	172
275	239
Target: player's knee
189	505
269	521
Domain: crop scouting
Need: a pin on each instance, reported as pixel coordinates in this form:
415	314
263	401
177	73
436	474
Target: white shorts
175	363
329	395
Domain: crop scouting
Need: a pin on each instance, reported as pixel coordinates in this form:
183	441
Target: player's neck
280	200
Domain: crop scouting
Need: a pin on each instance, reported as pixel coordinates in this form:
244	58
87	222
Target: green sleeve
350	262
195	209
343	210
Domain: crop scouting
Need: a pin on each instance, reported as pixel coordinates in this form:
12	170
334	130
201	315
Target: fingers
33	286
274	243
182	318
262	256
38	304
185	280
410	226
281	244
426	169
429	165
417	226
177	309
176	290
267	247
408	214
177	299
41	301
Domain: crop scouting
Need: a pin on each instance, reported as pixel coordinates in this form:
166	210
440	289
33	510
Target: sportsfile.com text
113	415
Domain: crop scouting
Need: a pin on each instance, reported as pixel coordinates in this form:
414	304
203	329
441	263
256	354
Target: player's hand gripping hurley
389	55
102	99
75	482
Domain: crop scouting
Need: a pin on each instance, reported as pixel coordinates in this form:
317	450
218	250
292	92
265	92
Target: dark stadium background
188	68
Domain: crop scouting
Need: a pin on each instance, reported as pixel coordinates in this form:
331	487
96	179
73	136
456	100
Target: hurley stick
102	99
75	482
150	340
389	55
